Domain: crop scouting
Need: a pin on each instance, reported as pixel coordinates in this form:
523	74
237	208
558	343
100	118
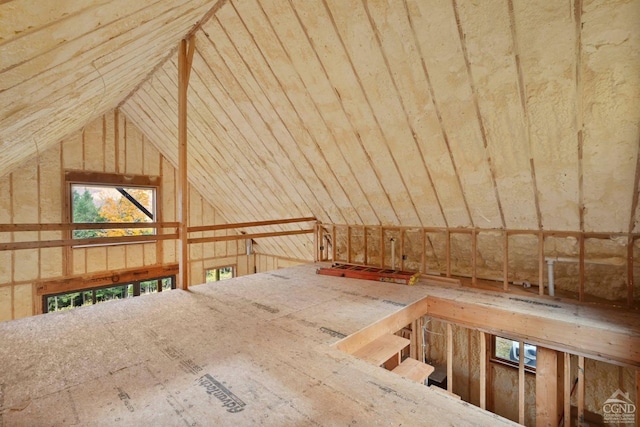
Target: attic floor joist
256	350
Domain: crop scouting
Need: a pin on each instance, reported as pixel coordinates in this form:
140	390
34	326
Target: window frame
136	290
73	177
508	362
207	270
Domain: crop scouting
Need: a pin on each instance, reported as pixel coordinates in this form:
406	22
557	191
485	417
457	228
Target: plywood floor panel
164	359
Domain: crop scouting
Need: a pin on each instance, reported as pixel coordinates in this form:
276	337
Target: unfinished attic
319	212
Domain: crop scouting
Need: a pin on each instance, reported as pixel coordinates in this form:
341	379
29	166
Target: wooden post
321	242
381	247
317	241
326	232
474	250
546	387
567	390
413	348
402	249
580	390
637	397
581	284
349	257
185	57
325	242
333	243
448	247
423	257
483	370
560	388
449	358
521	385
366	249
630	274
420	338
541	263
505	258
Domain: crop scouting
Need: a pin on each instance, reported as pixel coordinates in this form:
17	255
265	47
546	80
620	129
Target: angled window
96	198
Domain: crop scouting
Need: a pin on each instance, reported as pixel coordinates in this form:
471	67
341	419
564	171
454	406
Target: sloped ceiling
63	63
443	113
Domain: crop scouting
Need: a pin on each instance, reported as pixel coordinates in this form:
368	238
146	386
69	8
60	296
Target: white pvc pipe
552	289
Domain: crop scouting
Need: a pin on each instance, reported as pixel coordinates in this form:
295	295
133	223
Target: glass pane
510	350
221	273
87	297
103	204
148	287
167	284
112	293
503	348
69	301
226	273
80	298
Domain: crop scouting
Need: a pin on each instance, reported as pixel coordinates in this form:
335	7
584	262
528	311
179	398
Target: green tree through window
85	211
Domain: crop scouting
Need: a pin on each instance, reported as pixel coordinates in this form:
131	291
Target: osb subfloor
251	351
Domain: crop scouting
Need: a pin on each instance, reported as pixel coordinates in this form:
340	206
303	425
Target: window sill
514	365
100	245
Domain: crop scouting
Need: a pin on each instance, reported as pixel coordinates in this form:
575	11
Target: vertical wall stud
333	243
541	263
630	243
317	239
637	397
567	390
581	390
413	347
402	231
474	256
366	249
581	284
381	247
423	258
505	261
449	358
483	370
546	387
448	248
521	385
349	257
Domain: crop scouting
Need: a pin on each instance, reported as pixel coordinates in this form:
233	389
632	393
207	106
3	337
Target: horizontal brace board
249	224
102	241
8	228
249	236
87	281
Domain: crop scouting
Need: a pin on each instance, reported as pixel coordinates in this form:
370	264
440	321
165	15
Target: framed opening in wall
108	198
220	273
507	351
83	297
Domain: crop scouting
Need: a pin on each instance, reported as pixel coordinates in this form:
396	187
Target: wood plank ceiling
446	113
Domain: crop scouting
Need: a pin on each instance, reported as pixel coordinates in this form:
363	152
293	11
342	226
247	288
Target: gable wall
35	194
